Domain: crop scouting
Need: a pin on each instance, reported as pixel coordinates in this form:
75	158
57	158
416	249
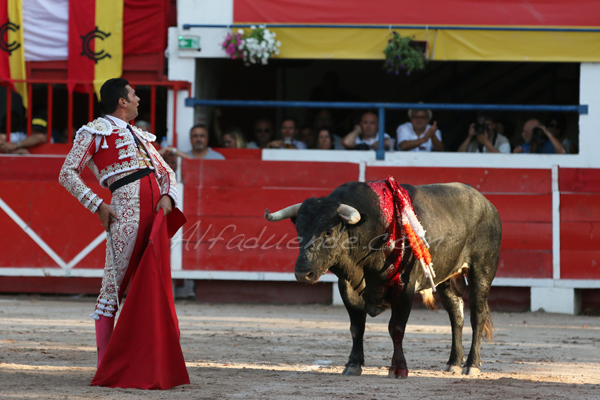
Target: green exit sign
189	42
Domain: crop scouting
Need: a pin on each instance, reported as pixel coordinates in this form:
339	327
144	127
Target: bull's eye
329	232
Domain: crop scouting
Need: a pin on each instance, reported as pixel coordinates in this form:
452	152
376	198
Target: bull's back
453	202
460	222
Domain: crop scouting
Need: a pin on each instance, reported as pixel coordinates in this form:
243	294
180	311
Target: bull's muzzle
306	276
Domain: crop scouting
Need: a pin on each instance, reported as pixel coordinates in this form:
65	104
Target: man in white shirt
418	135
364	135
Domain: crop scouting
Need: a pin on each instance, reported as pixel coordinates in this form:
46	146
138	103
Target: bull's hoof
397	372
455	369
471	371
352	370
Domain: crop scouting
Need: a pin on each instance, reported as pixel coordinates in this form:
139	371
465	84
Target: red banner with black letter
95	42
12	49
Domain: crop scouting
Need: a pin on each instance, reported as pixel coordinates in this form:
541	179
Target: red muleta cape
144	350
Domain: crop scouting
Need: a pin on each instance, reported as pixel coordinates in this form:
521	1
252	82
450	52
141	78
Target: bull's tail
428	298
488	329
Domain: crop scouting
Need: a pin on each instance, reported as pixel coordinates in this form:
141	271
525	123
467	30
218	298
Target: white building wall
589	125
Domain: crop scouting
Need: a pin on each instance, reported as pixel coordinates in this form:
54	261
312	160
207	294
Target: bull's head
321	225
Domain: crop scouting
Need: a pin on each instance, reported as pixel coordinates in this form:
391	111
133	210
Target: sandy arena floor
47	351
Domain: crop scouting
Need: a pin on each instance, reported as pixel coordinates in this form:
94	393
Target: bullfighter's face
323	239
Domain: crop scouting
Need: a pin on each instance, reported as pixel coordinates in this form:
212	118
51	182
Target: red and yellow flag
95	42
12	49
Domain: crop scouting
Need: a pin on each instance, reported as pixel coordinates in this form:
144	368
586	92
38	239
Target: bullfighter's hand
105	213
165	204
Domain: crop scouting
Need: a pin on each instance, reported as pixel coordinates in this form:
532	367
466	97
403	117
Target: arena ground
298	352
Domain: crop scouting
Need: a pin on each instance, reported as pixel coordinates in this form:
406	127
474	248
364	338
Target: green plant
401	55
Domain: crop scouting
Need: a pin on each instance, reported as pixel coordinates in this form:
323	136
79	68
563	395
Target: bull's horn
287	212
349	214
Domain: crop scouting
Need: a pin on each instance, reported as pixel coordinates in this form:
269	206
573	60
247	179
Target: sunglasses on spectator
262	130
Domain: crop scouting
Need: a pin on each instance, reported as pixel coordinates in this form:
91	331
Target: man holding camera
483	138
538	139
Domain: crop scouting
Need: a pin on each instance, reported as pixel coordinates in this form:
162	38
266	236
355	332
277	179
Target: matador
124	160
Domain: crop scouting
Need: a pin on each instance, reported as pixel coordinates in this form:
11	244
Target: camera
538	135
480	129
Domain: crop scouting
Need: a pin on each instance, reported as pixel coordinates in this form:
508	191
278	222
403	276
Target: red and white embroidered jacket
110	153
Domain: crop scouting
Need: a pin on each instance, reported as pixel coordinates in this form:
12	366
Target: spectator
555	125
418	135
538	139
199	141
19	141
263	132
308	136
483	137
324	119
364	135
233	138
289	133
325	139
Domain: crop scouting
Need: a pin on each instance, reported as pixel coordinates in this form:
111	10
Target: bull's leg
479	289
401	305
358	319
454	305
357	329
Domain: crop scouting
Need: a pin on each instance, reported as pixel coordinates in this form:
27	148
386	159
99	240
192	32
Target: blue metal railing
580	109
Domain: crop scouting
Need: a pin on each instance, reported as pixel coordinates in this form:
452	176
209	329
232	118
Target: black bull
344	233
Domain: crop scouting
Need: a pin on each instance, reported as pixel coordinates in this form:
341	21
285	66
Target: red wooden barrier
579	223
225	202
230	198
29	186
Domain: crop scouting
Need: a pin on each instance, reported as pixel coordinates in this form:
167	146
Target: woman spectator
325	139
234	139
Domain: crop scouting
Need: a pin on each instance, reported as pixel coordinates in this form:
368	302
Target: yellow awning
470	44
